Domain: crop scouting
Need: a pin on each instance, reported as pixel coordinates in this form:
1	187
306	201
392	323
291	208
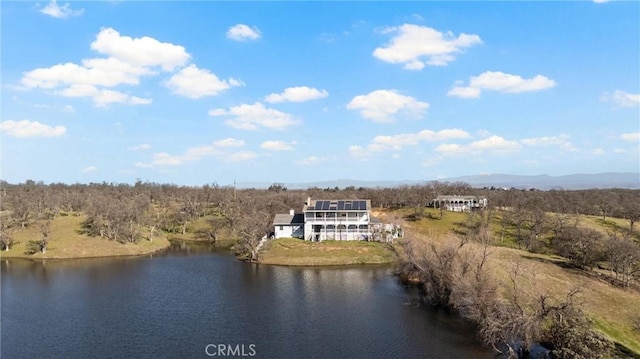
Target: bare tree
623	255
630	207
582	246
522	320
605	202
253	224
6	236
45	230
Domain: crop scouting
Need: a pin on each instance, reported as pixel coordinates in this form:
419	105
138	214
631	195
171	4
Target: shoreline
293	252
40	257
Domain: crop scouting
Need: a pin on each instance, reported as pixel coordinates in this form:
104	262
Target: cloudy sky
201	92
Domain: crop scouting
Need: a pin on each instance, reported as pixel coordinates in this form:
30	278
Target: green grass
622	334
296	252
611	224
66	241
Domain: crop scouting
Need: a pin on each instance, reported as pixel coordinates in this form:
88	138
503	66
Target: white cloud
464	92
597	151
89	169
26	128
252	117
242	32
102	97
193	82
128	60
359	152
54	10
501	82
165	159
277	145
142	147
215	149
107	72
600	1
494	144
385	105
417	46
398	142
296	94
143	51
562	141
622	98
632	136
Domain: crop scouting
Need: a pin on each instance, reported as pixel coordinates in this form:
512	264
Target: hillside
613	310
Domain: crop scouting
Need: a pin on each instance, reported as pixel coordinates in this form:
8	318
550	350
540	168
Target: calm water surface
175	304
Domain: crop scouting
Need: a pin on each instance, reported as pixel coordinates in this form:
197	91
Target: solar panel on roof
325	205
340	205
355	205
347	206
363	205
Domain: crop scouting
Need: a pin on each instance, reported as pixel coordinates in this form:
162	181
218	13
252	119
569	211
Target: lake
198	303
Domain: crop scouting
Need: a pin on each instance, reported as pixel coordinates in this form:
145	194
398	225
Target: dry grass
611	308
296	252
67	242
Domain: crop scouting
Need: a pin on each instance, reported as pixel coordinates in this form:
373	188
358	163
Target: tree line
129	213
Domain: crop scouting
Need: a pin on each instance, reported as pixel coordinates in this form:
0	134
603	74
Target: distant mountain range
544	182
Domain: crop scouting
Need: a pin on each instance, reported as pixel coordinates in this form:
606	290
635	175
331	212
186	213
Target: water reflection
175	303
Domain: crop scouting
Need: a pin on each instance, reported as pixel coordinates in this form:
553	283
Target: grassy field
67	242
296	252
612	309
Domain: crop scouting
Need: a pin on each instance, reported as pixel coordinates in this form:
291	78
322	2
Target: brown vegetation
586	238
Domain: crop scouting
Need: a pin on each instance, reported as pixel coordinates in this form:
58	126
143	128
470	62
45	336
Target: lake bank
611	309
296	252
68	242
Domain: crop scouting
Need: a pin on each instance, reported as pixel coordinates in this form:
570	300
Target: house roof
321	205
457	197
288	219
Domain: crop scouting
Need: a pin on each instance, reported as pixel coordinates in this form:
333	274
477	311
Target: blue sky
200	92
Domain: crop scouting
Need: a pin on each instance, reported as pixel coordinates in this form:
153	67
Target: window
281	228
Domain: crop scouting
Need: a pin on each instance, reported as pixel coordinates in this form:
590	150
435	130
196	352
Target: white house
288	225
327	220
337	220
457	203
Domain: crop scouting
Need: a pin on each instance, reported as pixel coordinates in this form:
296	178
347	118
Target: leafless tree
521	320
580	245
6	236
623	255
45	230
252	225
630	207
